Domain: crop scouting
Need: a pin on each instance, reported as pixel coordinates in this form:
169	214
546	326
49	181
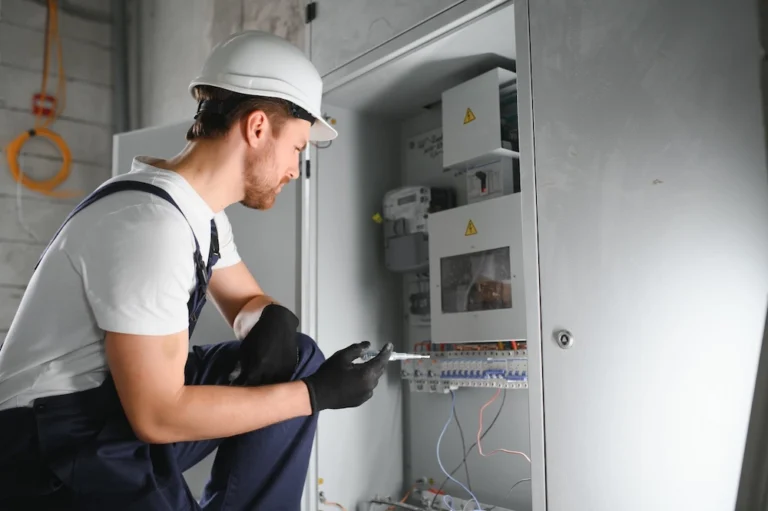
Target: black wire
464	461
322	146
463	445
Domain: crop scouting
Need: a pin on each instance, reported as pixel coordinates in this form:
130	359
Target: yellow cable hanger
45	117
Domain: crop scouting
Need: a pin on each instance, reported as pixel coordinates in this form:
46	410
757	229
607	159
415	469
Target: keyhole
564	338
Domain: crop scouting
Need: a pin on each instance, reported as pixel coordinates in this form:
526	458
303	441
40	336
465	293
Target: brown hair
211	124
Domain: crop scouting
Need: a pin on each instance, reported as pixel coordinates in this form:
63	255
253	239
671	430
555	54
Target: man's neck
211	169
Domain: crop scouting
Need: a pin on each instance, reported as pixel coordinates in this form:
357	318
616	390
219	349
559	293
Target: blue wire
439	461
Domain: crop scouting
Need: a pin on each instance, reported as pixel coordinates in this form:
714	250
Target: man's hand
339	383
269	352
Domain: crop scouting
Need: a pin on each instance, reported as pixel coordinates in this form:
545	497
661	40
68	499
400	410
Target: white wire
440	462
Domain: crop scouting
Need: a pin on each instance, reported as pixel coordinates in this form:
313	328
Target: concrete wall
175	36
85	126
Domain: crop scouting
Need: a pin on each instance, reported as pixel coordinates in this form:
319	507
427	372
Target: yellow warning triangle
469	116
471	229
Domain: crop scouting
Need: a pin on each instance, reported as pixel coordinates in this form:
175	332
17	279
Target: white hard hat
262	64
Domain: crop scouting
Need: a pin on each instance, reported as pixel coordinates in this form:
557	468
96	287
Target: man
102	406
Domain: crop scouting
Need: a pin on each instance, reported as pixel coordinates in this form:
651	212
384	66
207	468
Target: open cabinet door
653	213
349	297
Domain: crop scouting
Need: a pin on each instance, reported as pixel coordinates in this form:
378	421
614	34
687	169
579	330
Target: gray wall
85	125
175	36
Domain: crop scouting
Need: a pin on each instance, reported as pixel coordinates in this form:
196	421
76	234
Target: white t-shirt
123	264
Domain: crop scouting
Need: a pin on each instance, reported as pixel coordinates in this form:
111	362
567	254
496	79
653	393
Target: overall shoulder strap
114	187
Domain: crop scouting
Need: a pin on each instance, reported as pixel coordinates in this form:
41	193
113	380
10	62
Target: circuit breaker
477	289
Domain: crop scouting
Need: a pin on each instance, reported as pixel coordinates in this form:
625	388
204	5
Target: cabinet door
347	29
653	236
354	298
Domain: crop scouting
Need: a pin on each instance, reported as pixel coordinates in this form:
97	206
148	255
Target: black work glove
269	352
339	383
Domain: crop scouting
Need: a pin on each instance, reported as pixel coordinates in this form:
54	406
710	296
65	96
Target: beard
259	192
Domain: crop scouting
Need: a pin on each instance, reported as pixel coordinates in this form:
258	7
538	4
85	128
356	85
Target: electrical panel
483	367
477	289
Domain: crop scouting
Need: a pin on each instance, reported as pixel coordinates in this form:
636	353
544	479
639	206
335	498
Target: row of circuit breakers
484	368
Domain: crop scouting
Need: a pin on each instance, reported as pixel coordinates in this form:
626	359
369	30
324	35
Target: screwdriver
395	356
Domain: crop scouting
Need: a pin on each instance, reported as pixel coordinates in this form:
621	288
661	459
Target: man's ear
256	128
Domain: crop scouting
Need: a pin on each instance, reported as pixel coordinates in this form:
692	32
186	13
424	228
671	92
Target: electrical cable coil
41	129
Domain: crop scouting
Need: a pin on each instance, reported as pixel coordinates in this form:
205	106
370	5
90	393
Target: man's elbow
150	434
151	426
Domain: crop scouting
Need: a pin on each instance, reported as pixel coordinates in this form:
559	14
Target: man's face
274	164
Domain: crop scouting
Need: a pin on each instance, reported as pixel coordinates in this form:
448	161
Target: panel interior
404	95
404	86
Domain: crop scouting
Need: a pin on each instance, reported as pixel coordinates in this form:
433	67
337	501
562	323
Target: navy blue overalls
78	451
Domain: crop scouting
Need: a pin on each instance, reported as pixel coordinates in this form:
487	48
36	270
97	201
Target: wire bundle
47	186
480	435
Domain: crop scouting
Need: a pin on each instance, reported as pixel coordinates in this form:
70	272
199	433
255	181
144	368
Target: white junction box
472	119
477	290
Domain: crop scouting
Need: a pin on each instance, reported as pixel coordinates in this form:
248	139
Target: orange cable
480	431
13	149
405	497
335	504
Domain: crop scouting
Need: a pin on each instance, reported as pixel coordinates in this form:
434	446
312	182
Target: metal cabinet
645	239
652	208
346	36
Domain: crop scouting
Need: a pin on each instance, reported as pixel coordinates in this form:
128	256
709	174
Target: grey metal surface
400	46
398	84
653	228
343	31
359	450
530	258
753	486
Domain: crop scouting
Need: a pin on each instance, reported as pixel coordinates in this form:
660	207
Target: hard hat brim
321	131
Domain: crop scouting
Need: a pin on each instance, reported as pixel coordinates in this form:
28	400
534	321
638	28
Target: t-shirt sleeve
138	270
227	247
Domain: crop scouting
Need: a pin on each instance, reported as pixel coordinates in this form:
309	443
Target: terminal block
451	370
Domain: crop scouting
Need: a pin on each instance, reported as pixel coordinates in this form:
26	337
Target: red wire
480	432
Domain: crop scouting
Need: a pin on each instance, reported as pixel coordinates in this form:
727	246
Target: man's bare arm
149	375
238	297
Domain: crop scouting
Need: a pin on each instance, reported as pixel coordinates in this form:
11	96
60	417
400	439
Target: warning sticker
469	116
471	229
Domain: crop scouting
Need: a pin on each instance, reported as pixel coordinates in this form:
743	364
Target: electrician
102	405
